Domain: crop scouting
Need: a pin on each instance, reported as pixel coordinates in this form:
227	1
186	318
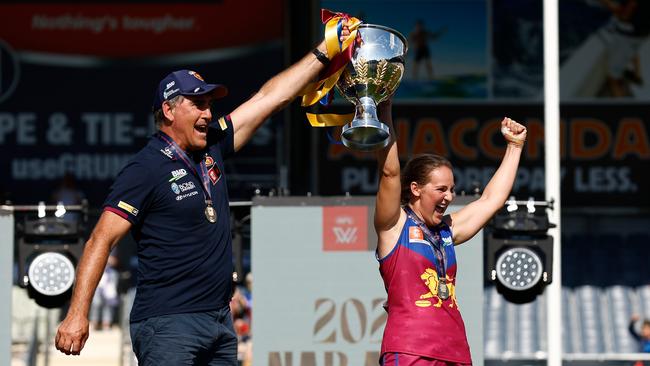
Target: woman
416	249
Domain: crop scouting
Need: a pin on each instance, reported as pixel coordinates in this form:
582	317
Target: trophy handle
366	132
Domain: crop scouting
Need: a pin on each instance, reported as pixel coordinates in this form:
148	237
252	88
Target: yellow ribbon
328	119
316	91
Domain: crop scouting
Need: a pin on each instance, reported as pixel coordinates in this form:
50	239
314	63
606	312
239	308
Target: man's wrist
320	56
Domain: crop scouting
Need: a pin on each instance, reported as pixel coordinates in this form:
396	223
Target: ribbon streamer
339	54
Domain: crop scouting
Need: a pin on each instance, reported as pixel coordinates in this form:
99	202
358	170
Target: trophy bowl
372	75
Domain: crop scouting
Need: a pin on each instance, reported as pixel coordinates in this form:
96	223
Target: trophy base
365	135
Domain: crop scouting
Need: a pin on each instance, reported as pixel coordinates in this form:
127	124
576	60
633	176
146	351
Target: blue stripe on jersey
424	250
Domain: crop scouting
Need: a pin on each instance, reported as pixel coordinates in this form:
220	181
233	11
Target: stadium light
60	210
41	209
519	251
51	273
519	268
49	248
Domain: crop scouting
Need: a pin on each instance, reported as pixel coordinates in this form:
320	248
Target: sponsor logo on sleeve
128	208
223	124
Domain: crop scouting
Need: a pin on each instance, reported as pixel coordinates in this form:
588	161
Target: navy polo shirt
184	261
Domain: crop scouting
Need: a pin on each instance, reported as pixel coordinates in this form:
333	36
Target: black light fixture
49	248
519	251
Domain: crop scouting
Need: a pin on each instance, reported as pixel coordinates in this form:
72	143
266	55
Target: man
172	195
420	38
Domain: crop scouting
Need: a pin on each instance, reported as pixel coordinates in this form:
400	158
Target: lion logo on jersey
430	278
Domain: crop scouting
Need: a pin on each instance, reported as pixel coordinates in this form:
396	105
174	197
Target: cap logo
169	92
196	75
170	84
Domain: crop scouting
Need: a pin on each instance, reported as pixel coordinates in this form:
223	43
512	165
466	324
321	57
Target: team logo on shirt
213	169
209	161
432	281
128	208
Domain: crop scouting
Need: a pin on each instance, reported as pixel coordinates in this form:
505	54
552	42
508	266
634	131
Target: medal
211	214
438	251
171	149
443	291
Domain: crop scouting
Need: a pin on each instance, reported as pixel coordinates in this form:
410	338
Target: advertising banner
77	83
319	297
605	151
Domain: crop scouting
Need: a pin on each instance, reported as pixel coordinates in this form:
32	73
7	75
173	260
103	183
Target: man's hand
345	31
513	132
72	335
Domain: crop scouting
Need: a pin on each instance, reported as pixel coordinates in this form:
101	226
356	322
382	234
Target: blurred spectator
105	300
238	305
419	38
629	29
244	344
241	310
68	194
644	336
248	289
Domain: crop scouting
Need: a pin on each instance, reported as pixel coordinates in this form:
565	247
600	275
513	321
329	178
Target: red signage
345	228
133	30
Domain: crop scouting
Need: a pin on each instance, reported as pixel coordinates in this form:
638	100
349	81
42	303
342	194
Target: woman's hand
386	105
513	132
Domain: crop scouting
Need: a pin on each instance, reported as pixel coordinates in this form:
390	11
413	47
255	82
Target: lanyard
435	244
203	177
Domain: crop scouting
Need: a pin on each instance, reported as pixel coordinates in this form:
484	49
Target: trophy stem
366	109
365	132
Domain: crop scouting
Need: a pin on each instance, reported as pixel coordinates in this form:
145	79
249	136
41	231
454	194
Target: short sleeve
130	194
222	133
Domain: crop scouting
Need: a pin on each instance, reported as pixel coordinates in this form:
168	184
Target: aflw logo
345	228
343	234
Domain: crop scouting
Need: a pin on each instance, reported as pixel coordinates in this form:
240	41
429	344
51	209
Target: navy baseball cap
185	82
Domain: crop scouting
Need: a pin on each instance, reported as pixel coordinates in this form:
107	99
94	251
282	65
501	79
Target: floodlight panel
51	273
519	268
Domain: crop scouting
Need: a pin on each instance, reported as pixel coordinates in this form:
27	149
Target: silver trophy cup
372	75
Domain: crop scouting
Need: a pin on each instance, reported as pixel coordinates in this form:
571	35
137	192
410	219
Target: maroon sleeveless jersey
419	321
